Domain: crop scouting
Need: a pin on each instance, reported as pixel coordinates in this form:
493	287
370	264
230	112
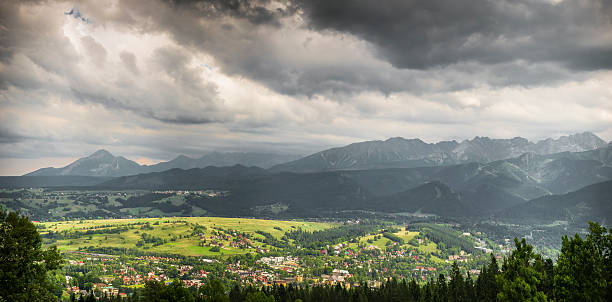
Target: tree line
331	236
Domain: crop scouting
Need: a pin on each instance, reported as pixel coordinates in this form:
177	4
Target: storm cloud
318	47
424	34
160	78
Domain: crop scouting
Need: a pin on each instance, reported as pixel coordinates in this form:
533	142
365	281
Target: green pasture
179	228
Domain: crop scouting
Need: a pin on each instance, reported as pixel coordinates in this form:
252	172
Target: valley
122	254
120	225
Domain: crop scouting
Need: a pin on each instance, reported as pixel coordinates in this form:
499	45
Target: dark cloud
459	44
157	78
425	34
8	136
255	12
76	13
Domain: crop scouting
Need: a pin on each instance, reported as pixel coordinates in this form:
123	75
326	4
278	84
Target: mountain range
392	153
457	190
480	177
408	153
103	163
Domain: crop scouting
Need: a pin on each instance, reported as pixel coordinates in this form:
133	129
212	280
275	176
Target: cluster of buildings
206	193
462	257
337	276
288	264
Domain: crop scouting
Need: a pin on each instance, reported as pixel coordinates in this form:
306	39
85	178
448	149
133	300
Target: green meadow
177	233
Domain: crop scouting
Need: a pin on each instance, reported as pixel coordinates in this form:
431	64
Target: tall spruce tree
583	269
470	293
456	287
441	294
521	275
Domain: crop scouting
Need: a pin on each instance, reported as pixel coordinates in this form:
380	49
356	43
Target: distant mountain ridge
408	153
104	164
100	163
218	159
462	190
471	189
392	153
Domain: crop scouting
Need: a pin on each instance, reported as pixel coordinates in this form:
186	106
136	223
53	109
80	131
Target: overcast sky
153	79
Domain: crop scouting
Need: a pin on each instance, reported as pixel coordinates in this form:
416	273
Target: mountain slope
196	178
394	152
430	198
408	153
262	160
100	163
439	199
527	176
466	189
103	163
593	202
250	187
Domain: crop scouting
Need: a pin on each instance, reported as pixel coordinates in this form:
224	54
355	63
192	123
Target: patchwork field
189	236
426	246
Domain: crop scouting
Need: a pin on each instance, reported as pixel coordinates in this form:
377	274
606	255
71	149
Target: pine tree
235	294
521	275
470	293
582	273
456	287
441	294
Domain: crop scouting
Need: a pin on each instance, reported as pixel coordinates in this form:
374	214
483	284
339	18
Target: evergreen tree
521	275
582	272
470	293
236	294
415	290
603	243
490	288
456	287
258	297
441	294
158	292
214	291
25	267
548	280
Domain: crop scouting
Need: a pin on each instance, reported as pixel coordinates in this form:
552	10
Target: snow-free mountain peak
398	152
104	163
100	163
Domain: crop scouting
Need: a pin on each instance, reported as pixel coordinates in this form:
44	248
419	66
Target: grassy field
177	233
428	247
195	236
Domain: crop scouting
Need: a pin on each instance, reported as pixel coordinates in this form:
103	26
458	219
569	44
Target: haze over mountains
593	202
457	190
407	153
481	177
392	153
103	163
